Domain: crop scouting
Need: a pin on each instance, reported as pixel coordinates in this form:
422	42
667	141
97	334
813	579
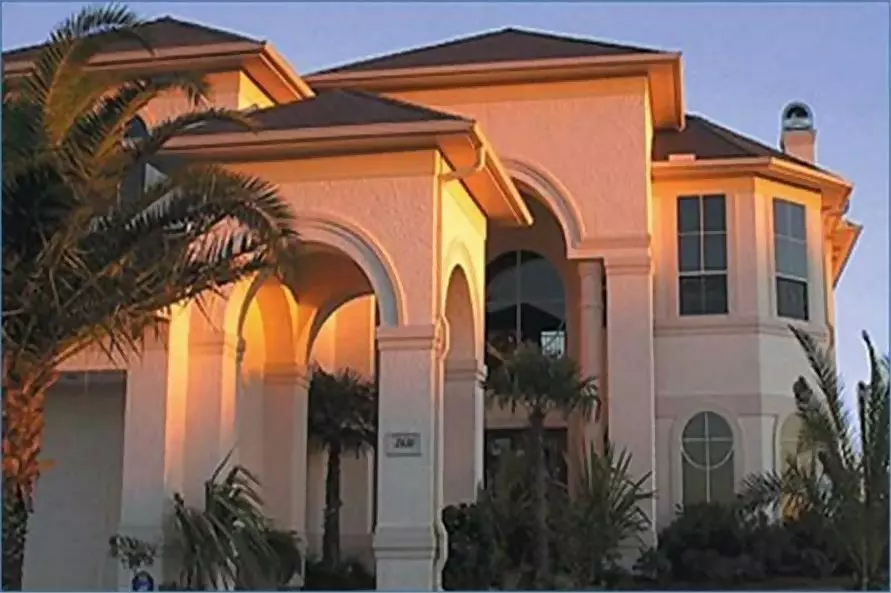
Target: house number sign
402	444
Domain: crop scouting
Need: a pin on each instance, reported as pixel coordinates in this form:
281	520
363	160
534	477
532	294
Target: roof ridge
576	38
194	23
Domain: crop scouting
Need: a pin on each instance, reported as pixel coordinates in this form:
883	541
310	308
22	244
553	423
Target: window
500	441
524	302
707	460
790	256
702	255
135	179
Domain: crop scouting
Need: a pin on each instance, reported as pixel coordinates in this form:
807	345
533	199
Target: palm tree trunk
22	436
331	536
541	552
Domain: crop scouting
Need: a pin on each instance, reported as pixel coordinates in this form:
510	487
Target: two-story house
511	182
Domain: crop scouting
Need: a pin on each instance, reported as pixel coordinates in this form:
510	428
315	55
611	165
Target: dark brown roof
708	140
163	33
335	108
504	45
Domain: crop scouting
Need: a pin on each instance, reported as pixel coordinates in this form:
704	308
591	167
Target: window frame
702	273
708	468
780	238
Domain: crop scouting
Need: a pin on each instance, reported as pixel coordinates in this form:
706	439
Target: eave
459	142
261	62
662	70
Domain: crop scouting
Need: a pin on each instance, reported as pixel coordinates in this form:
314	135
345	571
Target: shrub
348	575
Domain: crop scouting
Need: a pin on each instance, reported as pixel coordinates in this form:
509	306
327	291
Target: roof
709	140
504	45
163	33
335	108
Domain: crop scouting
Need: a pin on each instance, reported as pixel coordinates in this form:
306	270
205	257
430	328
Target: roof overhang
835	192
662	70
459	142
259	61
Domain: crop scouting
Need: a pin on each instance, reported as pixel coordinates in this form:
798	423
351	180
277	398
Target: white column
630	356
591	342
409	537
463	430
211	408
284	451
154	424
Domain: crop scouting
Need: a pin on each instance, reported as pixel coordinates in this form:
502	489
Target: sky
742	63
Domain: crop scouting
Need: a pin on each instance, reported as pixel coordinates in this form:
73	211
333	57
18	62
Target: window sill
735	325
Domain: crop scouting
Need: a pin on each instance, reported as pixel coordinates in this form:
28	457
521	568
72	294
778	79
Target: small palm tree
604	514
342	419
539	382
228	543
86	264
841	469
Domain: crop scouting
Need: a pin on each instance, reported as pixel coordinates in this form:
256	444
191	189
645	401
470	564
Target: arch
555	196
707	449
371	259
457	255
460	316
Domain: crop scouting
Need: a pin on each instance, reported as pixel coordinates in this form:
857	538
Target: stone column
630	371
409	539
284	445
154	421
591	344
463	429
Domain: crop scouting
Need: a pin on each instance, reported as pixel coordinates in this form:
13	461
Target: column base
408	557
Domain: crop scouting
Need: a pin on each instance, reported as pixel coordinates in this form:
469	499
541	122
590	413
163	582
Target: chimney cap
797	116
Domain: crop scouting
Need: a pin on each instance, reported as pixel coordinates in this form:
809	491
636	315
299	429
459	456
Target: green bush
348	575
472	562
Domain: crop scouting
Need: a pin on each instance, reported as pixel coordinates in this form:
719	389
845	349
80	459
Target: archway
463	406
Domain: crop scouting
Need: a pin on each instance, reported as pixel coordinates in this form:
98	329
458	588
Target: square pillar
591	345
630	371
154	421
464	430
409	540
285	401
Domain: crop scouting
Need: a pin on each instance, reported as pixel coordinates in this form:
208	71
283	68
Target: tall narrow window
790	252
702	255
707	459
134	182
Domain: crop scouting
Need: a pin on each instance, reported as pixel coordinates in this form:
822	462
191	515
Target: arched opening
707	460
790	431
134	182
463	408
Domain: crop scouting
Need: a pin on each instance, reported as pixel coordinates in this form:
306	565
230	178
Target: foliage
848	484
229	543
342	419
603	515
473	548
539	382
349	575
86	263
133	553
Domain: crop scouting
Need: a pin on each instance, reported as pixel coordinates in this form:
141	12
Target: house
510	182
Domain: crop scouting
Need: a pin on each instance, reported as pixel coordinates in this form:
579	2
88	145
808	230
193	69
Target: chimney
798	137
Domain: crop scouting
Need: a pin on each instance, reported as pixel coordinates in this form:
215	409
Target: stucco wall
77	505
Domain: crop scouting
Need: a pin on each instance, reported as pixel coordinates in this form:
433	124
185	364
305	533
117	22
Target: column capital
590	269
465	369
219	342
284	374
430	337
631	264
406	541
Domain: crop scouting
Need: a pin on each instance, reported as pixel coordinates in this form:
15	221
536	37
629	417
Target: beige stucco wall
78	500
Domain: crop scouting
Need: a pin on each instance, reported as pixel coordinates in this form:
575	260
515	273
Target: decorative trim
87	378
629	265
224	344
286	374
405	541
430	337
464	370
728	325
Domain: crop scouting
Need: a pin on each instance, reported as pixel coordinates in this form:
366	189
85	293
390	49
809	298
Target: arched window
707	459
134	182
789	431
525	301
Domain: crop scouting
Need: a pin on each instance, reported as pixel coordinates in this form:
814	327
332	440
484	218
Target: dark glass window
790	258
702	255
525	301
500	441
134	182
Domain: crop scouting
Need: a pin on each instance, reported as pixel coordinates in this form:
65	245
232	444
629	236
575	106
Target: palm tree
228	542
604	514
85	266
539	382
342	419
840	471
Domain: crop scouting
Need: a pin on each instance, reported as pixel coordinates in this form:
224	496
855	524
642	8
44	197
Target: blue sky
742	63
